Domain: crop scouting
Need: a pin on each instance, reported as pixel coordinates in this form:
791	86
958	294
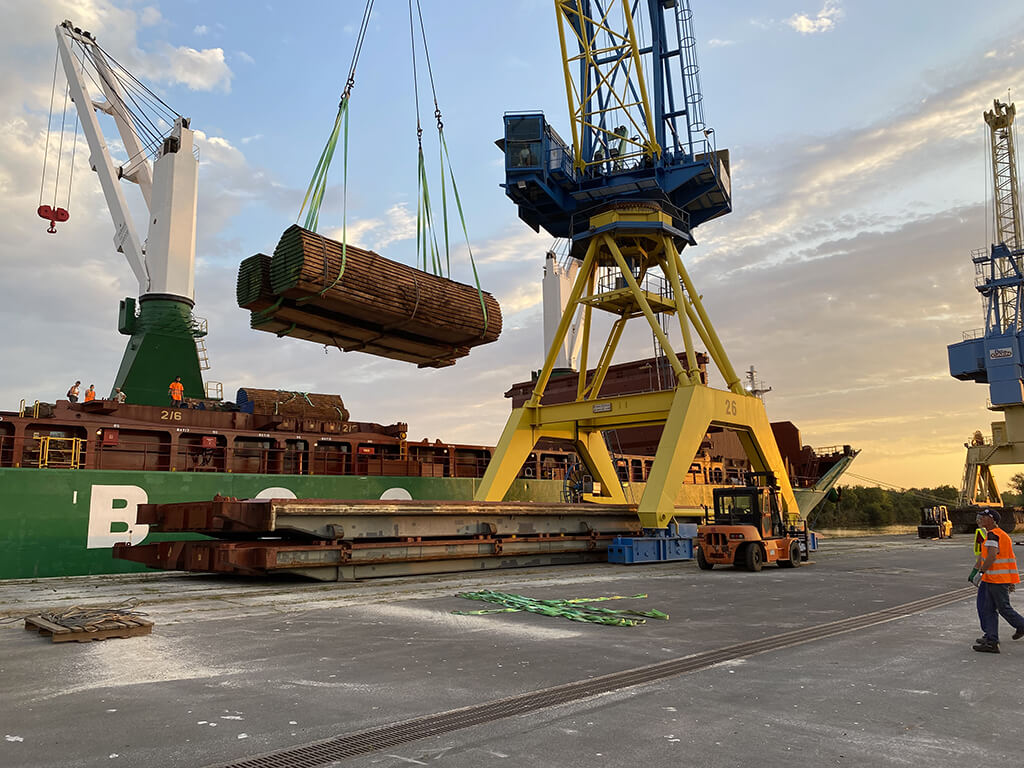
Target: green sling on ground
574	609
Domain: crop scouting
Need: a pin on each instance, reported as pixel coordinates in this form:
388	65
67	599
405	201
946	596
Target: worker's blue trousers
993	602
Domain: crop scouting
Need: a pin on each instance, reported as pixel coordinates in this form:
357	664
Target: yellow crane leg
592	450
694	409
521	433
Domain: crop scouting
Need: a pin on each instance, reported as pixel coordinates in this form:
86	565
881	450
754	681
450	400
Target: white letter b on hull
103	515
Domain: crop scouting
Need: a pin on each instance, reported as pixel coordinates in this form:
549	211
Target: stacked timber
299	405
369	304
253	290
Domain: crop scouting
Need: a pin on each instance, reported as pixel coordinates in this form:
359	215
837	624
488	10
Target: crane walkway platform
863	658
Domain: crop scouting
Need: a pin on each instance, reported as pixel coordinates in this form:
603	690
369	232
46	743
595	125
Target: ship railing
974	333
61	452
35	409
832	450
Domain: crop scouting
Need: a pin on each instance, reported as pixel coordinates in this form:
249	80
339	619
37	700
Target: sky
858	156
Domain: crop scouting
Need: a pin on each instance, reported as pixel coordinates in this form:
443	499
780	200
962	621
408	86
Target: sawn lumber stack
372	305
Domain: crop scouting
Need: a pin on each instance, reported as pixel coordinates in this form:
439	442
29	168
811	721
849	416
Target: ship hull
64	522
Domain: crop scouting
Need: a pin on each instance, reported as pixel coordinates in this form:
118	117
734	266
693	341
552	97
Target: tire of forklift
794	556
702	562
753	557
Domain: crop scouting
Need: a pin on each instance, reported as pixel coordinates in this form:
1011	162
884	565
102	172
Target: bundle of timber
253	287
301	405
369	304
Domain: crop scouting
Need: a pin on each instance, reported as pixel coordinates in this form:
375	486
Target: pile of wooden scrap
303	405
371	304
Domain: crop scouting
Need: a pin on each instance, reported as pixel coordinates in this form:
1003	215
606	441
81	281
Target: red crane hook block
53	215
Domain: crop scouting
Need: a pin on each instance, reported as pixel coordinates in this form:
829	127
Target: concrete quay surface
237	669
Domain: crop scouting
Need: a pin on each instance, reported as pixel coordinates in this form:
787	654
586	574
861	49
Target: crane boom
126	239
165	265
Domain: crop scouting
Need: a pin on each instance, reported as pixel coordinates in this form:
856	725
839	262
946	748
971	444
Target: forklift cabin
746	528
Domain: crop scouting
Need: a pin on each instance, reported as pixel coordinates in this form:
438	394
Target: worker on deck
119	396
73	392
90	393
996	576
176	390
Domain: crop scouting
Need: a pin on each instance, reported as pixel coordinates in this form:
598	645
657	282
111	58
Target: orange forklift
747	529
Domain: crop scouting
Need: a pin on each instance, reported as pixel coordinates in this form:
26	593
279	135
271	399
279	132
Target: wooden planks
115	627
370	304
285	403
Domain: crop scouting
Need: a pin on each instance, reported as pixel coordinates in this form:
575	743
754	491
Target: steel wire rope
60	146
891	486
133	85
74	149
138	122
140	86
425	232
445	155
151	136
318	184
49	122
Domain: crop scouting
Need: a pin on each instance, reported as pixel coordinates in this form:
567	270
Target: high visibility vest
90	394
1004	569
176	389
980	535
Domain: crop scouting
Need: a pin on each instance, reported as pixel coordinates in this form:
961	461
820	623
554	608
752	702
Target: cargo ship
72	475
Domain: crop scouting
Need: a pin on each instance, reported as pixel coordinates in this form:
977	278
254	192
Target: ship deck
861	658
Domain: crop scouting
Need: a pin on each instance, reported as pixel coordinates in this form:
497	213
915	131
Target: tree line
860	507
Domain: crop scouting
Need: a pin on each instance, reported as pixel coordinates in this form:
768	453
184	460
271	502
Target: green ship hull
64	522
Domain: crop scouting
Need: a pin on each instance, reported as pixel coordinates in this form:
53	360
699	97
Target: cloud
397	224
150	16
200	29
245	57
825	19
203	70
716	43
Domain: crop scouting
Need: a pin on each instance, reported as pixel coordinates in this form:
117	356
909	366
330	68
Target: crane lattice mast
995	355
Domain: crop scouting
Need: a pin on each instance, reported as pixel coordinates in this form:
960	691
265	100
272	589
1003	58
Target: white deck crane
163	333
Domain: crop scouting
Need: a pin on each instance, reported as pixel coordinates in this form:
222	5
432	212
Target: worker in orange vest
176	390
995	575
90	393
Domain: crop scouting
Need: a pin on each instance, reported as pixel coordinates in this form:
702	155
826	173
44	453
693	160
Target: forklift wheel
753	557
794	556
702	562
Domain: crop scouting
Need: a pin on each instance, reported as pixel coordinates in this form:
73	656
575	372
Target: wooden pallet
123	627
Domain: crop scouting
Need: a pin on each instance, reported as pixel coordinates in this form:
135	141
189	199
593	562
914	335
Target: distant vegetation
859	507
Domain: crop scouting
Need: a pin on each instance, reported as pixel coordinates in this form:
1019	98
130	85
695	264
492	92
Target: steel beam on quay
335	519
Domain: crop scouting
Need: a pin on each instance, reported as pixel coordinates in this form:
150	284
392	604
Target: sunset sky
859	189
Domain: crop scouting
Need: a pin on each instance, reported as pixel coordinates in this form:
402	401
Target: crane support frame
628	241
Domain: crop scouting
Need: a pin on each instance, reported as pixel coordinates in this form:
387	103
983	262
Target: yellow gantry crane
641	173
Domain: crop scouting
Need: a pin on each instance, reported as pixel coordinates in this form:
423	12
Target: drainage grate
339	748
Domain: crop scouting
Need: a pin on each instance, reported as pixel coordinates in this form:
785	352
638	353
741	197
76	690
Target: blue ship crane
994	355
641	172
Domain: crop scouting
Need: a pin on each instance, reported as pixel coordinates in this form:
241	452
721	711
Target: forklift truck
746	528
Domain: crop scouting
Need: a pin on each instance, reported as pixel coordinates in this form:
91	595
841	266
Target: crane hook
53	215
